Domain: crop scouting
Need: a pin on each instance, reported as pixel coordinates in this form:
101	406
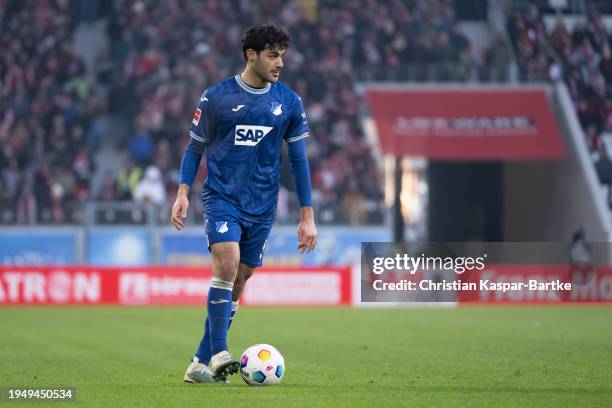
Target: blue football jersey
244	128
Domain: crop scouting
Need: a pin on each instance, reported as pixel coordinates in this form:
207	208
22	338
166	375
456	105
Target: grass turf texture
473	356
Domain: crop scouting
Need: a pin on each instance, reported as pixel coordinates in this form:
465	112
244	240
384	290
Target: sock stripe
235	306
217	286
221	284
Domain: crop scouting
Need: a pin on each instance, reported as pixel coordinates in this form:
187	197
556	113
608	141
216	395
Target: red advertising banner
456	123
538	284
168	286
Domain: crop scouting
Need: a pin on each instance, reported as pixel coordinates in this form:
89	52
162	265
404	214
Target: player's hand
307	231
179	211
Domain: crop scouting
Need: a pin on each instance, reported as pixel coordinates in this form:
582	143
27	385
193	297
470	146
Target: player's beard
265	73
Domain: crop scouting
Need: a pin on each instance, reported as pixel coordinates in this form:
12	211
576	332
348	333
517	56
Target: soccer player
241	124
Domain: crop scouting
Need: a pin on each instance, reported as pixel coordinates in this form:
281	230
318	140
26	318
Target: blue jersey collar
250	89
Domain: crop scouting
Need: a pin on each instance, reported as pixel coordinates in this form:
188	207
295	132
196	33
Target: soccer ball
262	364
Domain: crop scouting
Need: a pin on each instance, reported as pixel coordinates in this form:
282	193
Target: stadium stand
73	131
581	56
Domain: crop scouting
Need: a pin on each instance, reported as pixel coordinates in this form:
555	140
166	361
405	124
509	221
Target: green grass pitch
469	356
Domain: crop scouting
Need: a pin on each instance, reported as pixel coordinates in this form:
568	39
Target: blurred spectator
151	189
497	59
353	205
127	180
108	188
141	147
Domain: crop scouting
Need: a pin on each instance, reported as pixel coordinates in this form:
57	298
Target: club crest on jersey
276	108
250	135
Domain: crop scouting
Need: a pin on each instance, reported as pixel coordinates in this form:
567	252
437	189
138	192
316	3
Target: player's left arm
296	139
307	230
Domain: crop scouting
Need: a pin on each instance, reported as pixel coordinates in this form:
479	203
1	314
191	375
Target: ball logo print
262	364
264	355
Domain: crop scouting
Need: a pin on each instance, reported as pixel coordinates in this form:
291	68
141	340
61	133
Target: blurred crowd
581	56
45	109
116	130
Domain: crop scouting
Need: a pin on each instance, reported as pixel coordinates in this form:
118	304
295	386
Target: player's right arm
199	139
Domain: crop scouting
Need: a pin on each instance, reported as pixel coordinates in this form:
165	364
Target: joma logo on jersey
250	135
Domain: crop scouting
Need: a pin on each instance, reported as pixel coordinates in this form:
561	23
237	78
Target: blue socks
221	311
204	352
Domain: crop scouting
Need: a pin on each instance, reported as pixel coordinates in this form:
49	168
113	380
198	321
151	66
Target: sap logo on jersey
250	135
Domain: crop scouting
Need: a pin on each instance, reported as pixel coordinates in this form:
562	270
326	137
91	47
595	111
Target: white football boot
223	365
201	374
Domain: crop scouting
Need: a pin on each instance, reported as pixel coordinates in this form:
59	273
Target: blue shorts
227	226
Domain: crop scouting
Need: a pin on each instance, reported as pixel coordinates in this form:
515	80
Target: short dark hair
258	37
